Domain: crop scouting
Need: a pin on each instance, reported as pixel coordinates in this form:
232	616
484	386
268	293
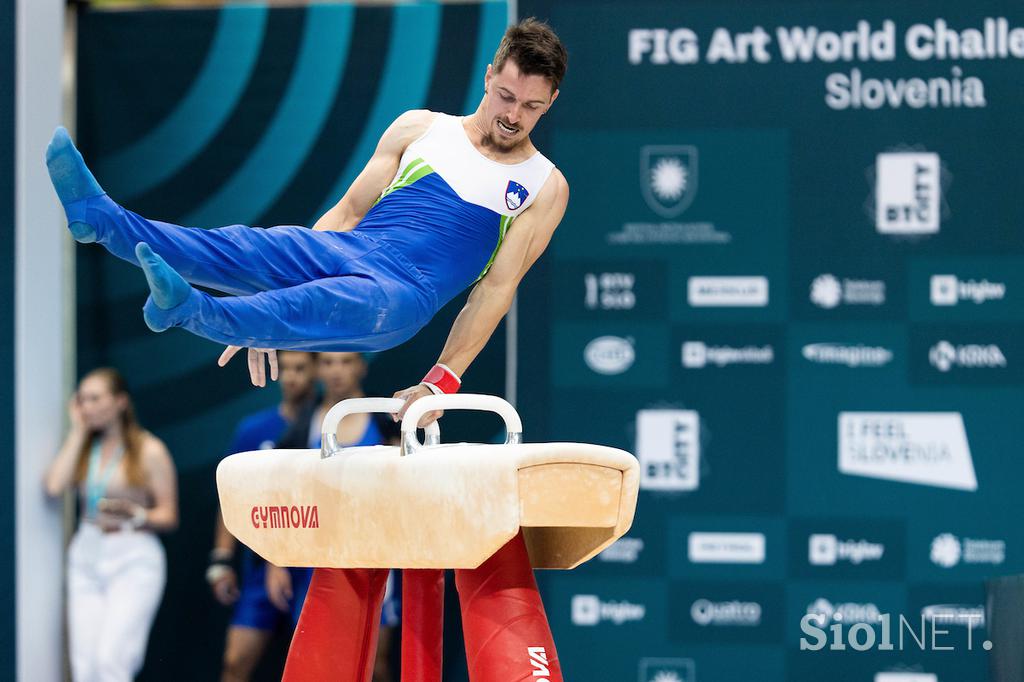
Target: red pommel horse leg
507	634
506	631
336	637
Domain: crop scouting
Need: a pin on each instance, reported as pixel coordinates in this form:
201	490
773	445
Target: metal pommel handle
329	430
467	401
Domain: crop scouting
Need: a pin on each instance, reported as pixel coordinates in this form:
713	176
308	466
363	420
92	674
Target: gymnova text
284	516
935	631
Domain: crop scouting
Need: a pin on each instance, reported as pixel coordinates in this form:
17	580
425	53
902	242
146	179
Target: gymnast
431	213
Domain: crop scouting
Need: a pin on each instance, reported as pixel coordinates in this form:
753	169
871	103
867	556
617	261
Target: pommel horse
491	512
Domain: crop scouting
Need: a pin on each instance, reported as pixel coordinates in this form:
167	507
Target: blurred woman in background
127	490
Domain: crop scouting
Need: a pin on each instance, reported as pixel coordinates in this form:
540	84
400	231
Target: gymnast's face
513	104
341	374
298	372
100	406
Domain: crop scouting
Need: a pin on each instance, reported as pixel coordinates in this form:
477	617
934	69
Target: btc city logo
909	192
668	178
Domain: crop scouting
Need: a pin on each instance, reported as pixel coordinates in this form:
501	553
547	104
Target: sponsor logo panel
616	354
920	448
829	292
968	288
841	602
594	610
847	548
668	447
720	547
699	355
726	548
604	290
977	354
721	612
852	355
727	291
909	188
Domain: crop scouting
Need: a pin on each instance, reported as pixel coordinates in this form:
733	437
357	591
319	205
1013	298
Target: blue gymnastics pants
295	288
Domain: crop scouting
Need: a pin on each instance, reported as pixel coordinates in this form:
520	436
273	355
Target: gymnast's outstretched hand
257	370
411	395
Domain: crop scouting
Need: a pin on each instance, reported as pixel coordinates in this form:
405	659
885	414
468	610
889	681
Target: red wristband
441	379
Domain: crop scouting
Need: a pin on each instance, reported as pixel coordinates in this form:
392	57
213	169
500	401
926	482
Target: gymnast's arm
492	297
380	170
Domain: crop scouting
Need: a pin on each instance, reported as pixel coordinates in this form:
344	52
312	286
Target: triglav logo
828	292
946	290
589	610
948	551
848	355
828	550
944	356
609	291
926	448
668	178
697	354
609	355
625	550
726	613
667	670
726	548
908	193
726	292
905	677
668	447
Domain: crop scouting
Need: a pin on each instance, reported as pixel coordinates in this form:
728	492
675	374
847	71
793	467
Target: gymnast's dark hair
535	49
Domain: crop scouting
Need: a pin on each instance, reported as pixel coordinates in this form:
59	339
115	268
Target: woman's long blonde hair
131	432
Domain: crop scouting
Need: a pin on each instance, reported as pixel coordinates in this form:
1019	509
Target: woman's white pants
115	583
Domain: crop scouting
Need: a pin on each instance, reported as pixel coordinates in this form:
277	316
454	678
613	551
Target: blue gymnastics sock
167	288
72	180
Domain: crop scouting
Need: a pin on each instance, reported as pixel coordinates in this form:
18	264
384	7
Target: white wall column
41	360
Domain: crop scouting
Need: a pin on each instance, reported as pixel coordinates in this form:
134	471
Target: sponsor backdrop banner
263	116
789	280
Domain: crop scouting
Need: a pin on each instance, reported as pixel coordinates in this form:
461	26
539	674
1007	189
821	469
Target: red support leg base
422	624
336	638
506	631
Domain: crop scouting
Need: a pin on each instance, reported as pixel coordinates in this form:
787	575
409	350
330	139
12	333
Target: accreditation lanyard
98	479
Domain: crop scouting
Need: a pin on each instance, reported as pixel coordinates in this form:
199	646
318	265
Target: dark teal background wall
258	116
7	539
762	177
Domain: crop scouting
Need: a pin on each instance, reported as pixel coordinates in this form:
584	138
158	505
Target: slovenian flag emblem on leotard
515	195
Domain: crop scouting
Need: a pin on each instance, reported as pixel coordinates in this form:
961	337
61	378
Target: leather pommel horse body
492	512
